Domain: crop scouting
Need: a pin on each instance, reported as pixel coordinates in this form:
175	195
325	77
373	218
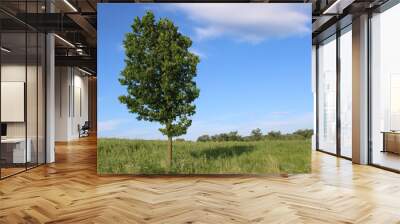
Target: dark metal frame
369	91
338	152
316	97
0	88
338	76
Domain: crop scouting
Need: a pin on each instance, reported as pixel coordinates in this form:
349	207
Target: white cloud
288	123
110	125
252	23
121	47
198	53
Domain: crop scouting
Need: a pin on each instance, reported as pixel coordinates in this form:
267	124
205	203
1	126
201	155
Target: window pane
386	89
327	95
346	93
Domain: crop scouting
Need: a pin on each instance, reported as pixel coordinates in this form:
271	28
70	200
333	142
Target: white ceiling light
86	72
65	41
338	6
79	52
70	5
5	50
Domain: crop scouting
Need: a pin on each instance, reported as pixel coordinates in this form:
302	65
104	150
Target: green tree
159	76
274	135
256	134
305	133
234	136
203	138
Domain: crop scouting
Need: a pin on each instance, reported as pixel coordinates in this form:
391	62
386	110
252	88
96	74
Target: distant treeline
256	135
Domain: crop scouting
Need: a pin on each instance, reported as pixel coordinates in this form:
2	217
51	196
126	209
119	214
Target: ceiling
331	15
73	21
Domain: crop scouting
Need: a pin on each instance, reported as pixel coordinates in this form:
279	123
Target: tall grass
122	156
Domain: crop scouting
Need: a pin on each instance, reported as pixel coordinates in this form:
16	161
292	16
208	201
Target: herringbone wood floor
69	191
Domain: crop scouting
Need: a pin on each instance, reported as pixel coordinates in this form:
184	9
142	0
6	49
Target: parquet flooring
11	170
69	191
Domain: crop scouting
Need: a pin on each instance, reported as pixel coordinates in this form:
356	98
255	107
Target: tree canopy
159	74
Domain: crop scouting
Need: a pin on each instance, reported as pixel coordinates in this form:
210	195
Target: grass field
122	156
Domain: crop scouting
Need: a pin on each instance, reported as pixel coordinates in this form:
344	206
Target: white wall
17	73
80	88
33	126
70	84
62	82
12	73
13	101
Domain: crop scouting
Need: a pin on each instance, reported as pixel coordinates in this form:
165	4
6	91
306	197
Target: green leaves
159	74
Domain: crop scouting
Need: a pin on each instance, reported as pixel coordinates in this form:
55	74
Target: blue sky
255	69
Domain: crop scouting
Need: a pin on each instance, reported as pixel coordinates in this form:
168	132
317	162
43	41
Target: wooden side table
391	141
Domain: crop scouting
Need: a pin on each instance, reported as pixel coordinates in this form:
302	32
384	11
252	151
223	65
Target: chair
84	130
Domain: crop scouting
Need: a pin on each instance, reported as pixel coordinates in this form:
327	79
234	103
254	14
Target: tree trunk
169	159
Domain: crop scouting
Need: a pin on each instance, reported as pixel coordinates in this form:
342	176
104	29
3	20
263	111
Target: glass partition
41	96
31	99
346	92
22	101
385	89
14	155
327	95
